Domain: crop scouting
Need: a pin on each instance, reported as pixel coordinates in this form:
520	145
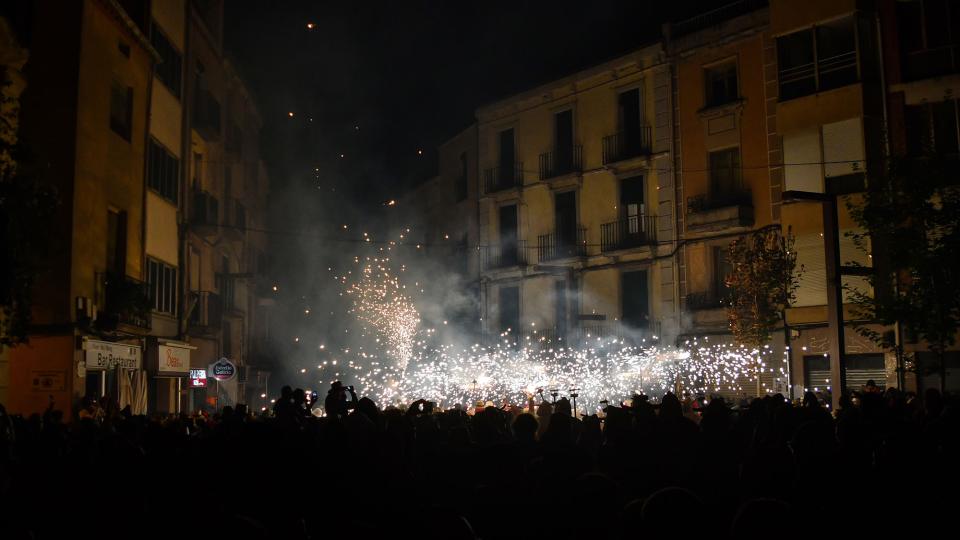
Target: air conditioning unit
86	309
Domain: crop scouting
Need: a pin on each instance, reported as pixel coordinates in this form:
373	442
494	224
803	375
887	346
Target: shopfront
169	365
115	370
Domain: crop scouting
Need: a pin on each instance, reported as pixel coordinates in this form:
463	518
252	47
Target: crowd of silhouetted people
886	462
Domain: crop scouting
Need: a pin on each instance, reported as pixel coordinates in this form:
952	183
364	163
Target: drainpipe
897	326
186	99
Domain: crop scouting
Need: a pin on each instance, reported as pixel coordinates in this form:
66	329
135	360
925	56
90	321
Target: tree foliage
762	284
911	214
25	210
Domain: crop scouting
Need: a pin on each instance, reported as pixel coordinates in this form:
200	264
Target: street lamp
835	271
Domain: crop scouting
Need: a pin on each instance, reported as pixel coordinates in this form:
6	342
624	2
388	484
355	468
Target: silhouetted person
336	402
283	407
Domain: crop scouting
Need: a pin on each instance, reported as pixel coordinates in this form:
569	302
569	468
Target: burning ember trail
402	360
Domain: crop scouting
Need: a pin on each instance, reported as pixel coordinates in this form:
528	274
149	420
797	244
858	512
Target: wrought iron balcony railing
122	300
705	300
629	232
703	203
561	162
504	256
503	177
626	145
555	246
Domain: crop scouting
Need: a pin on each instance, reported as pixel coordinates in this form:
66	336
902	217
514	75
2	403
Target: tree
761	286
910	217
25	210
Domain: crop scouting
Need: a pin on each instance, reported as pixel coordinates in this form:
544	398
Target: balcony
715	16
235	220
205	213
719	211
506	256
124	303
596	332
703	301
206	312
626	145
559	163
628	233
546	338
503	178
932	62
554	246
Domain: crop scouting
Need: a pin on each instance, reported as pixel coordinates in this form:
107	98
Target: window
636	299
461	182
509	240
725	173
507	157
162	280
721	84
817	59
929	36
722	268
227	350
932	127
629	113
632	208
121	109
169	69
509	306
163	171
563	142
560	307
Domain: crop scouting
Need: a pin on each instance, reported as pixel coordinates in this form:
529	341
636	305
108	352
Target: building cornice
121	14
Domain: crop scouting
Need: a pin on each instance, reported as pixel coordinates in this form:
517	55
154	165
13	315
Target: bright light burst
401	360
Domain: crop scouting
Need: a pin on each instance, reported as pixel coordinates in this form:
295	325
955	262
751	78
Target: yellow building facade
85	111
225	198
576	206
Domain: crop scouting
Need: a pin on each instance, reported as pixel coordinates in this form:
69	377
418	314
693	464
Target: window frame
714	67
736	172
122	127
166	46
153	147
162	282
816	67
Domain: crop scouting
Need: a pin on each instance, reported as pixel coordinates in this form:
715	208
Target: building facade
150	138
608	199
85	111
226	199
920	44
576	215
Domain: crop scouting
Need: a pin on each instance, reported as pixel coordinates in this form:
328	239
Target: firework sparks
402	360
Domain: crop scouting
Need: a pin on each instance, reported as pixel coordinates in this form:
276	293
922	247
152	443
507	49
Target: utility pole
834	271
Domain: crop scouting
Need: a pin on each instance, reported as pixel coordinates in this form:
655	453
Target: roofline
651	48
121	14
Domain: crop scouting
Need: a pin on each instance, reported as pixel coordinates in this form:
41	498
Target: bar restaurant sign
100	355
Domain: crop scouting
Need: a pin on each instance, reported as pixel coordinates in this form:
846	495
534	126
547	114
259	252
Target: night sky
377	83
384	80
